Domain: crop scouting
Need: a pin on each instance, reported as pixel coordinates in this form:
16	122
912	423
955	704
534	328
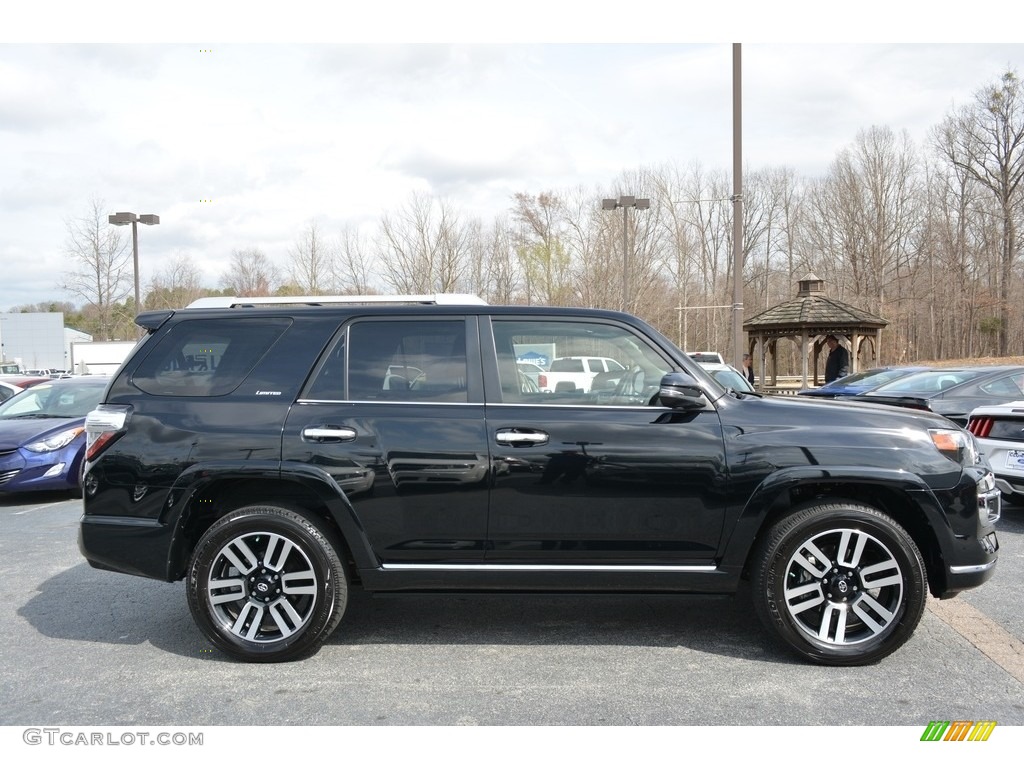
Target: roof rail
224	302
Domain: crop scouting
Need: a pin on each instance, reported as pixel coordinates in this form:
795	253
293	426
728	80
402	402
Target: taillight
980	426
542	380
102	427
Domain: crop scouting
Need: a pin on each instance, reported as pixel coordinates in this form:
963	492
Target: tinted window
420	360
1005	385
207	358
633	381
927	383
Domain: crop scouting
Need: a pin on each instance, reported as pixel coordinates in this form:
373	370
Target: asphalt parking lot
87	647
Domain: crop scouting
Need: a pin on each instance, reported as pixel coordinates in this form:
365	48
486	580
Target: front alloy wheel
266	584
841	584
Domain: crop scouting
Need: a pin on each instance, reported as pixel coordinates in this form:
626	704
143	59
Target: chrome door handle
328	434
521	437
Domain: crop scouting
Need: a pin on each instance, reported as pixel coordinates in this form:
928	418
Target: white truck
103	357
576	374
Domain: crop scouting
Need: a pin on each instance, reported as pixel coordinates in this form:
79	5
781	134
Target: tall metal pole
135	262
737	210
625	258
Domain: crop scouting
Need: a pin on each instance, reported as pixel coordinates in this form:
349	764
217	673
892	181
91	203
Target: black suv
276	456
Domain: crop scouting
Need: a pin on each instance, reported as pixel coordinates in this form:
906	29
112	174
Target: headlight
956	444
55	442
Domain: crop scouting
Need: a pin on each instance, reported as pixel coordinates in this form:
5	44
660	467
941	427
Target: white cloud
241	145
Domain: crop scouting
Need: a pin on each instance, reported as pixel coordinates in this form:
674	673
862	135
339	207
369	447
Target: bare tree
423	248
543	256
503	282
102	271
176	285
251	273
986	141
313	263
353	268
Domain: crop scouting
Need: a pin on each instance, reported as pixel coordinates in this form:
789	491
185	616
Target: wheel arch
895	494
212	496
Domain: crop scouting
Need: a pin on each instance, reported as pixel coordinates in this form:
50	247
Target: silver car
999	430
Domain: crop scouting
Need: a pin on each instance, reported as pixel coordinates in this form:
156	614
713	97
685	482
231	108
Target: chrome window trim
306	401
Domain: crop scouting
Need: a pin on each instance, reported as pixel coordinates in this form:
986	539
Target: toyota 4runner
277	456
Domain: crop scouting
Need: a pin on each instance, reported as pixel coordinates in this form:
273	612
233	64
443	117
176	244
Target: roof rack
224	302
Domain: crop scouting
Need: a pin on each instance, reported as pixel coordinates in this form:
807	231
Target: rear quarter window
207	358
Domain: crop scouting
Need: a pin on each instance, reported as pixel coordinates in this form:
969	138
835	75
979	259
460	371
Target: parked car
12	385
951	392
8	390
728	377
533	372
999	430
229	473
707	357
862	381
576	373
42	434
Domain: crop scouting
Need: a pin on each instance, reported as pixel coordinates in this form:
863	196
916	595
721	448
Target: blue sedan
863	381
42	434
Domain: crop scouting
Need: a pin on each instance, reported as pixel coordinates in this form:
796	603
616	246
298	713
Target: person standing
838	363
748	368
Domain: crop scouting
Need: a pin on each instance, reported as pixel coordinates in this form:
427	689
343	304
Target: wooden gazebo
807	320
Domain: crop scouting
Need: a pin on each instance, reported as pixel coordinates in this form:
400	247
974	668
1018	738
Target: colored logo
958	730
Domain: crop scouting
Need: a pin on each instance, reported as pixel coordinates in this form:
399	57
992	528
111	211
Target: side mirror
681	390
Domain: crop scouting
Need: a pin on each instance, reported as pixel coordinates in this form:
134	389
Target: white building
35	339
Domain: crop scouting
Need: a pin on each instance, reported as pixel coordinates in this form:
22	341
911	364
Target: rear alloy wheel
266	584
841	584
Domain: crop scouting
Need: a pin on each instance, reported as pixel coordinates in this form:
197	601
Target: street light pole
625	202
122	218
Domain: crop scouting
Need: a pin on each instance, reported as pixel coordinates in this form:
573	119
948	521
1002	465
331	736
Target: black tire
840	584
266	584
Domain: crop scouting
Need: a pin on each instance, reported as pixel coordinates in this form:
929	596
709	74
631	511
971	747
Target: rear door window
397	360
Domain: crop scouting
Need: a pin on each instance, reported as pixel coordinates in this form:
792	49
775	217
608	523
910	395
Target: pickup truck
576	374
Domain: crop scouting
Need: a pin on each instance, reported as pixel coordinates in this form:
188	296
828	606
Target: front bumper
977	551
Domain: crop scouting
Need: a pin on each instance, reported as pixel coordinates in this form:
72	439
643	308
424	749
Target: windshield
60	400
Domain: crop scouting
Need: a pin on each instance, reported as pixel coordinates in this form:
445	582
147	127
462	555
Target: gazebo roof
814	313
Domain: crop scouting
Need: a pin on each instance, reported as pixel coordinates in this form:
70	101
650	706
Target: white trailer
99	356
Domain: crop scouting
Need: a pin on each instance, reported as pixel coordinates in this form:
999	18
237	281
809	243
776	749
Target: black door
598	475
395	416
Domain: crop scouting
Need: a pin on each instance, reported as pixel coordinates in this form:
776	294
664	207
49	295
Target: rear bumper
126	545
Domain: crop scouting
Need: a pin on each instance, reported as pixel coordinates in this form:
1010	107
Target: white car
576	373
532	371
728	376
707	357
8	390
999	430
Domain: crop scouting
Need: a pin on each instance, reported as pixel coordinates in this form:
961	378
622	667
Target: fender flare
190	484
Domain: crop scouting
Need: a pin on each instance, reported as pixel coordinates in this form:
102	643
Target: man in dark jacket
838	363
748	368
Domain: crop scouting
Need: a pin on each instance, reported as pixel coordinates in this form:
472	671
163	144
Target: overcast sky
241	144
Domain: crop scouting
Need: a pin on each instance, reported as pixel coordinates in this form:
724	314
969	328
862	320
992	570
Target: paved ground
81	646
